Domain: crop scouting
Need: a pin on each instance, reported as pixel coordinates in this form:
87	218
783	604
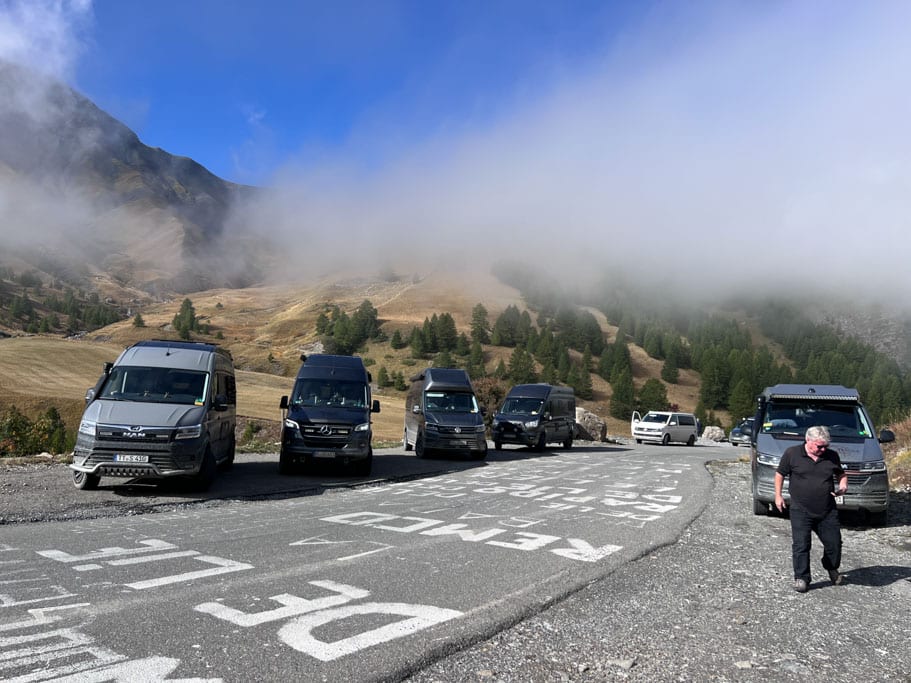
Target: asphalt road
607	562
356	583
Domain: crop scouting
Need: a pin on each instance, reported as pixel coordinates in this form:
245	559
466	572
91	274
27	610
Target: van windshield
793	419
450	402
658	418
522	406
155	385
329	392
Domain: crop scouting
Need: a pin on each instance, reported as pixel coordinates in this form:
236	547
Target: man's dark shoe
800	585
836	578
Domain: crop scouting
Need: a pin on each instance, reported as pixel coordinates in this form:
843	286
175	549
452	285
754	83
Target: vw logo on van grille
457	430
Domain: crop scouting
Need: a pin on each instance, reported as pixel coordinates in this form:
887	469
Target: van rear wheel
568	443
691	441
85	481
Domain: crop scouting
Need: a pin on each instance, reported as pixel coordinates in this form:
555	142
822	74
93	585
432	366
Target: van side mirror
220	402
886	436
107	367
547	417
90	395
283	404
416	409
375	408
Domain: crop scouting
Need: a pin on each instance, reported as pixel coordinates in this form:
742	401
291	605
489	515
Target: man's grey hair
818	433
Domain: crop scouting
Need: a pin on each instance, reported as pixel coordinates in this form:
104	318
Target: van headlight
480	429
876	466
191	432
531	424
765	459
363	427
431	427
291	424
87	427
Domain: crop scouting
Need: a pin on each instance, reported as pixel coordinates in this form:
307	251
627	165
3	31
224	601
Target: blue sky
673	137
243	86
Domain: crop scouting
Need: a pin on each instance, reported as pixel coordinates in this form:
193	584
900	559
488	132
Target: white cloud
46	35
771	144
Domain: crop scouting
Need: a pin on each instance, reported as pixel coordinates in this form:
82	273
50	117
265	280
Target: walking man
816	478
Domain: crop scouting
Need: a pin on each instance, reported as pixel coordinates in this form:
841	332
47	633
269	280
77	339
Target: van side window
687	420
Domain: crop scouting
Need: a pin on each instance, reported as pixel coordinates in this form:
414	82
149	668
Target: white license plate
324	454
460	443
839	500
130	457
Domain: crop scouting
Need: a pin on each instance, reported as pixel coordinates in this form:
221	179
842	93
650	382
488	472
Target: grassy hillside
267	328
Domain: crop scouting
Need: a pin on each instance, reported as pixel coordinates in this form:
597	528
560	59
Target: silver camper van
534	415
784	413
162	409
442	414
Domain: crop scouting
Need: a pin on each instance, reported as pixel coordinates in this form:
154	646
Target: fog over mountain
770	156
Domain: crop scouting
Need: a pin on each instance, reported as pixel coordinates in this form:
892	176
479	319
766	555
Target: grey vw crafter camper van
534	415
328	415
784	413
442	414
162	409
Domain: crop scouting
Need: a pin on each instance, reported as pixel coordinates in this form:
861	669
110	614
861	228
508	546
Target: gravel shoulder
718	606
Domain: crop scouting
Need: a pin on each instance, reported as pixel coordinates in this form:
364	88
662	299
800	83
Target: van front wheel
85	481
666	440
203	480
420	450
405	444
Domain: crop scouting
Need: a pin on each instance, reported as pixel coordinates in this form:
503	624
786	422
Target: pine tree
653	395
480	327
138	321
623	398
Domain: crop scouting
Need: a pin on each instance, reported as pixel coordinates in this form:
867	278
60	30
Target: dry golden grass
267	328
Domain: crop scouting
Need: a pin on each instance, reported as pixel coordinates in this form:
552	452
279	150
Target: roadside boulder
712	433
589	427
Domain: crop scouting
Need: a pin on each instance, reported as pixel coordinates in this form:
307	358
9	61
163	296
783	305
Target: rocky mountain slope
83	196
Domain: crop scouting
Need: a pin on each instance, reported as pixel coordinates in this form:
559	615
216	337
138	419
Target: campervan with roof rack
442	414
163	409
535	415
327	417
784	413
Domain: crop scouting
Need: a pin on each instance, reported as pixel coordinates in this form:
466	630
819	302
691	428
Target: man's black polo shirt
811	483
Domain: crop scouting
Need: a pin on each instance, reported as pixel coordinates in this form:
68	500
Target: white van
664	427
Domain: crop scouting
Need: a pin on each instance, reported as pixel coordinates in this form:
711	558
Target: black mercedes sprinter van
327	417
535	415
442	414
